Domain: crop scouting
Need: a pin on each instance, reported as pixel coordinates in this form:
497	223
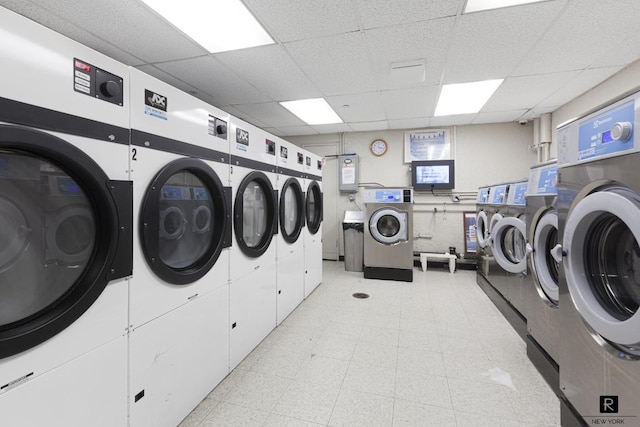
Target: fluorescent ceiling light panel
478	5
313	111
465	98
218	26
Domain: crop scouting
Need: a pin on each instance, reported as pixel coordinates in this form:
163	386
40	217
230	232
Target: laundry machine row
598	207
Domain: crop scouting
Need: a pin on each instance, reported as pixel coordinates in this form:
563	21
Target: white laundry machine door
389	225
509	244
602	263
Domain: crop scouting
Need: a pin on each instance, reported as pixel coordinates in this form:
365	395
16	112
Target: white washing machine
290	245
508	237
253	286
598	211
312	234
388	234
65	222
179	293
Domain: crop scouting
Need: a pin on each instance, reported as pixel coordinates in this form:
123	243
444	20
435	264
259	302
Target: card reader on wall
349	171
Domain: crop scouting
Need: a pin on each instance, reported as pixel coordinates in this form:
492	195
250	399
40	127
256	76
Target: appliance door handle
557	253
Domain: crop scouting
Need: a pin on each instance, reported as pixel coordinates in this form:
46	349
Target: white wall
625	81
484	154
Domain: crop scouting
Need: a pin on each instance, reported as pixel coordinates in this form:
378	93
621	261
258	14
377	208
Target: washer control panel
388	195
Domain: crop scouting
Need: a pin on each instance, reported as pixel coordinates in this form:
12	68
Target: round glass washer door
254	217
544	266
59	228
482	229
389	226
291	210
602	264
509	244
183	217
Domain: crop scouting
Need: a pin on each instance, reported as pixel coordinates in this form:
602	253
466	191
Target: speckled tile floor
435	352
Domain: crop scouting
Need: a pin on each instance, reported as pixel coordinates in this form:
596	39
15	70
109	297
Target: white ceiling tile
462	119
490	45
209	75
584	31
61	25
526	91
305	19
242	115
410	103
337	65
499	116
420	123
152	70
272	113
298	130
271	69
625	52
274	131
369	126
426	41
358	107
129	25
381	13
334	128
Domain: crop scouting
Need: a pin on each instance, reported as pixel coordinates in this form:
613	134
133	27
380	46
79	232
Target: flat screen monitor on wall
429	175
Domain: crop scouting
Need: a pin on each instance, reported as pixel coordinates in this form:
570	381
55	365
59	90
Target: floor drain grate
360	295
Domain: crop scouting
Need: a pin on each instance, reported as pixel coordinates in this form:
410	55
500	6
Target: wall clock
378	147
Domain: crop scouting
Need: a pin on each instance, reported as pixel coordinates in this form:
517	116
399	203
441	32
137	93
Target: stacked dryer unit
541	298
65	221
291	219
253	269
179	296
508	236
312	234
598	211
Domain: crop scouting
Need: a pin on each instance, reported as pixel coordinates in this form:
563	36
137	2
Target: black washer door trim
314	226
297	191
150	222
272	219
21	335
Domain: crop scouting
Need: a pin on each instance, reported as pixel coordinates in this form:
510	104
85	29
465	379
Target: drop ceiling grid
418	123
369	126
581	35
305	19
130	25
399	43
410	103
584	81
526	91
210	76
362	107
499	116
490	45
152	70
337	65
272	113
297	130
271	69
332	128
382	13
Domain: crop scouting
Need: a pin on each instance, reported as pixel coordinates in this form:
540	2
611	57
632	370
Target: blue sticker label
499	195
383	196
154	112
483	196
548	183
519	195
595	139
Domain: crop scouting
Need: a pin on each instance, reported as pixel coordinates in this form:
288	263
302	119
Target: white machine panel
543	180
388	195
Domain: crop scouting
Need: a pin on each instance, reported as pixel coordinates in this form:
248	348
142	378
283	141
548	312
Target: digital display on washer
595	138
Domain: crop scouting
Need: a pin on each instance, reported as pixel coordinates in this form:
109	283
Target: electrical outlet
352	197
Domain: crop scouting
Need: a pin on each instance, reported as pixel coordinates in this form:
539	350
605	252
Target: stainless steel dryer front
388	239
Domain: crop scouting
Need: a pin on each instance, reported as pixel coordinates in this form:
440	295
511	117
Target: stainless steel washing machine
598	211
388	238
